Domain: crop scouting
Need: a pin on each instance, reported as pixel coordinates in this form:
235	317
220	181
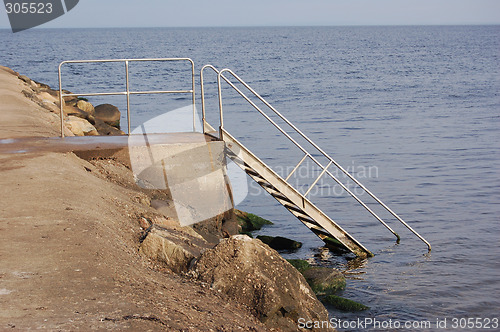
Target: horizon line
266	26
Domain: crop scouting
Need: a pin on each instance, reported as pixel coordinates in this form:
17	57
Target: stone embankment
81	117
85	248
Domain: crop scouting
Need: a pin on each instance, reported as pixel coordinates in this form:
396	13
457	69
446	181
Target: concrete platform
91	143
192	166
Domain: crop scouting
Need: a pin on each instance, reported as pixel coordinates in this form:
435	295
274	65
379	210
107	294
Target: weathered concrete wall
194	171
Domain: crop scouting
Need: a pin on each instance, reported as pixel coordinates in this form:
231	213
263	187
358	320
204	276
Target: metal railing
324	169
127	92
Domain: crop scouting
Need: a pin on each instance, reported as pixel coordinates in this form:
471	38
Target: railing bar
305	151
128	92
219	90
296	167
193	94
157	92
61	101
123	93
123	60
263	114
330	158
381	203
202	86
305	199
367	208
94	94
317	179
128	96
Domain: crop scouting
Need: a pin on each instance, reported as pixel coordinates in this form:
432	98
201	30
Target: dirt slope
69	240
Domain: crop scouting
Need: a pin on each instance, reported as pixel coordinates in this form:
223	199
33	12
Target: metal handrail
202	93
307	154
126	93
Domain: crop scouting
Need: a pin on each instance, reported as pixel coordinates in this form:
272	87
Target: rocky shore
85	248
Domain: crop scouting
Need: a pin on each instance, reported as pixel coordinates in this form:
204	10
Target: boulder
230	227
45	87
48	98
80	127
257	276
250	222
109	114
25	78
344	304
70	100
173	248
105	129
324	280
280	243
300	264
86	107
74	111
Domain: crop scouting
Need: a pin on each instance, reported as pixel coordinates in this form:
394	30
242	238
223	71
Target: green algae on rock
250	222
280	243
343	304
324	280
300	264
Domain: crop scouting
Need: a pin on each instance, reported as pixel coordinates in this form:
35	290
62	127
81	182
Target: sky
195	13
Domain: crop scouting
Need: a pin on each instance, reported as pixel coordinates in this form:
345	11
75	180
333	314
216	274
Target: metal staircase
290	198
280	188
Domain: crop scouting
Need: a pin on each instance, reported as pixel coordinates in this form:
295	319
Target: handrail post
61	100
128	96
202	94
219	89
202	89
193	95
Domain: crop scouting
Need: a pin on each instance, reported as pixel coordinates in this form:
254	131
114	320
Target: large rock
280	243
47	97
344	304
250	222
324	280
109	114
257	276
25	78
80	127
75	111
107	130
86	107
173	248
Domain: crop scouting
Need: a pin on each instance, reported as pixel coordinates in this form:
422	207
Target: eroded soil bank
71	231
69	251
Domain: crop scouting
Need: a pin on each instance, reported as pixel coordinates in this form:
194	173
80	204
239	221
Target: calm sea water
414	112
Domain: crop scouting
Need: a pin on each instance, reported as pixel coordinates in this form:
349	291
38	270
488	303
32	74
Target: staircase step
301	207
250	171
295	208
266	184
279	196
